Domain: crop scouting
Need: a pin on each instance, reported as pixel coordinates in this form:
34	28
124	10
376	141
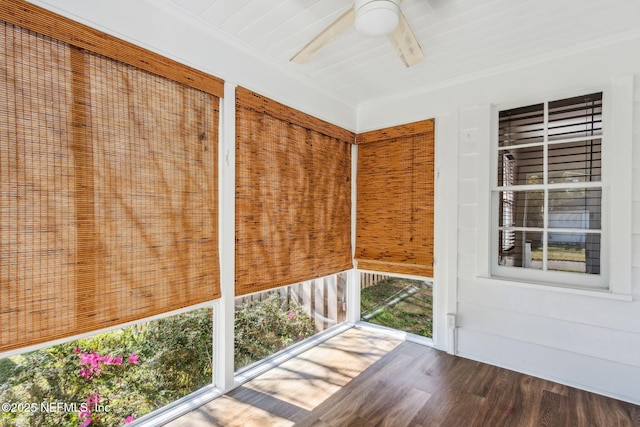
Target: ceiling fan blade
405	43
343	22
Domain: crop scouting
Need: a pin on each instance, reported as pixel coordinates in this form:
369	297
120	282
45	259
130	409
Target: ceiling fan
371	18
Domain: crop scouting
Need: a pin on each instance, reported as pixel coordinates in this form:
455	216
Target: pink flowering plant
94	368
113	378
119	376
95	382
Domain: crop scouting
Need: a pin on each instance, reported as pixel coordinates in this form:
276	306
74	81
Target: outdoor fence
322	299
370	279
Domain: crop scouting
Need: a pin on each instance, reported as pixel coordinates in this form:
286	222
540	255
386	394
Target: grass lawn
561	252
413	313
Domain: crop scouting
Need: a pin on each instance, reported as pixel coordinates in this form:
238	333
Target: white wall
573	337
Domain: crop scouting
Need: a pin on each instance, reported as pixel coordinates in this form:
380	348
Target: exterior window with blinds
548	192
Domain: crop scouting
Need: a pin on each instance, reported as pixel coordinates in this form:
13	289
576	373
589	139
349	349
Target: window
111	378
397	302
270	321
548	192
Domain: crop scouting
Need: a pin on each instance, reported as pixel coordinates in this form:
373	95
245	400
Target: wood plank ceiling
461	39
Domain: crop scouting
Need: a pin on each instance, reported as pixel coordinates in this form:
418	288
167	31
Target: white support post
353	279
224	309
445	284
353	296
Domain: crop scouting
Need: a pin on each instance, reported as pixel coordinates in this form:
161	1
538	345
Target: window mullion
557	186
545	175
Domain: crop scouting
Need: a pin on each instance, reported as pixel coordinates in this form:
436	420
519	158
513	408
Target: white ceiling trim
592	44
464	40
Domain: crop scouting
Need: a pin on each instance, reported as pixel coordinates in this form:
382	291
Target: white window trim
558	278
621	179
616	220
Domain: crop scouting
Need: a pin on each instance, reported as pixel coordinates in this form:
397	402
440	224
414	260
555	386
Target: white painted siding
635	271
574	337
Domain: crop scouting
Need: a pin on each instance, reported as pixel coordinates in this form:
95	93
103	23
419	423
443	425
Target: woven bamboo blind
293	195
46	23
108	191
395	199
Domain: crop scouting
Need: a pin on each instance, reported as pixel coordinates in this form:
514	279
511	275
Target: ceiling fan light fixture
376	18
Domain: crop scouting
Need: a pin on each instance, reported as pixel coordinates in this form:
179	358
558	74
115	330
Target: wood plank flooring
365	378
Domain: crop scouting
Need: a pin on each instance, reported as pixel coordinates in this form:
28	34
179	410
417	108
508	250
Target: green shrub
7	367
88	383
111	378
265	327
179	350
121	375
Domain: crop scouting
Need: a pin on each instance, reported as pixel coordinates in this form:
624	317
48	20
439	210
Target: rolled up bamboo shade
395	194
293	195
108	190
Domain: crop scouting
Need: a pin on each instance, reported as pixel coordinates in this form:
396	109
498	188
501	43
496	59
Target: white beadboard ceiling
461	39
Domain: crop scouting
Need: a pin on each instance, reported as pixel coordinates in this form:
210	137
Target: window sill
567	289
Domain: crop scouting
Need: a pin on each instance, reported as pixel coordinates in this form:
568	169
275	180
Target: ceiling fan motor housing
376	18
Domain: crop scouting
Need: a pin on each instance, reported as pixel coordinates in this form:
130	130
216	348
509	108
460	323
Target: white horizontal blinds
550	171
108	194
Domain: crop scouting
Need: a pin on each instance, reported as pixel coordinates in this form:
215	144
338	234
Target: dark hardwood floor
364	378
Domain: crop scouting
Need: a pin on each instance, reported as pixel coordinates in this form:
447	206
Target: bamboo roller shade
395	193
108	191
44	22
293	195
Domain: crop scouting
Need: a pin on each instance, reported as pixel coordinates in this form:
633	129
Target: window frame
601	281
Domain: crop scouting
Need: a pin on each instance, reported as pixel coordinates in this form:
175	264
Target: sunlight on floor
303	382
